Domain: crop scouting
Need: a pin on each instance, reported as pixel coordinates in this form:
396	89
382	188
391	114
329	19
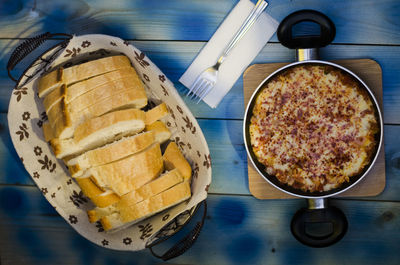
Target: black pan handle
319	227
185	243
328	30
27	47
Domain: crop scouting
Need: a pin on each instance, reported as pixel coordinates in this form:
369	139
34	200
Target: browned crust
346	80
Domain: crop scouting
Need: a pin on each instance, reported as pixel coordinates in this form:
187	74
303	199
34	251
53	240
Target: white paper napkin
239	58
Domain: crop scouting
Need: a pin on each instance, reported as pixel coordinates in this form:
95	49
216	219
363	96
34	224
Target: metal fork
207	79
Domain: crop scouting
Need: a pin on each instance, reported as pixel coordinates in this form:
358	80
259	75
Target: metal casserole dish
318	225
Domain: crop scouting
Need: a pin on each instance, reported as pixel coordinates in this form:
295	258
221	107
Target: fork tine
194	85
195	89
204	88
205	92
199	89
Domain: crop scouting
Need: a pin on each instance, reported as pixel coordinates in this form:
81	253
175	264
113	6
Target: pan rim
300	193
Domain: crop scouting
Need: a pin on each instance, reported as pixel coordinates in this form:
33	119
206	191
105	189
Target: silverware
207	79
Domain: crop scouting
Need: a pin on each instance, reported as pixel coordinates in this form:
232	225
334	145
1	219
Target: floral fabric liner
26	116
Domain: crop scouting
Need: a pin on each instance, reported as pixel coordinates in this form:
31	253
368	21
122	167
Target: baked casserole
313	127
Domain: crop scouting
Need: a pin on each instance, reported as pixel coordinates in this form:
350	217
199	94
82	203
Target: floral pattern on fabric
26	117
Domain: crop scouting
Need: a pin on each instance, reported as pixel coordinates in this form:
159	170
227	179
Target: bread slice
94	96
164	182
55	96
88	187
111	152
47	131
91	97
105	199
173	158
156	113
73	91
129	173
130	214
80	72
161	132
98	196
65	124
99	131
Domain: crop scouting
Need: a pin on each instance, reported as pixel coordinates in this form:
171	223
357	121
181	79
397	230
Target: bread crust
111	147
173	158
64	119
110	153
156	113
130	214
161	132
160	184
130	173
99	131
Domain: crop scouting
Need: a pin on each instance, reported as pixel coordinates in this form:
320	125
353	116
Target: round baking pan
318	225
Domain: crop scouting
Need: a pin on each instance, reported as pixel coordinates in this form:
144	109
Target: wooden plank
229	159
358	21
244	230
174	57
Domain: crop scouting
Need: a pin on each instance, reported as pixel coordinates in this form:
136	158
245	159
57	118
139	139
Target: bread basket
26	116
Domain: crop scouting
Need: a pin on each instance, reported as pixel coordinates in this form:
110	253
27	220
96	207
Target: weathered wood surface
239	228
174	57
229	158
357	21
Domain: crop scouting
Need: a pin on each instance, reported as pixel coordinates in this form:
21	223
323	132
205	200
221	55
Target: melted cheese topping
313	128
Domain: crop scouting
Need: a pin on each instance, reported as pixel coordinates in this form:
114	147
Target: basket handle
27	47
185	243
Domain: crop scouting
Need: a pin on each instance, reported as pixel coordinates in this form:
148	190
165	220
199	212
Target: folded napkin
239	58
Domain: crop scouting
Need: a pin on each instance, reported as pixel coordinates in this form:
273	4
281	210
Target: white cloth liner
26	116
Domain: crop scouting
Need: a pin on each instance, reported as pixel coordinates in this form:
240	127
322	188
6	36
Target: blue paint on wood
245	249
10	7
85	249
165	20
12	201
230	212
66	17
34	243
265	229
194	20
46	207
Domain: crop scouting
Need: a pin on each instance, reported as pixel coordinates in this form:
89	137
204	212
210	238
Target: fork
207	79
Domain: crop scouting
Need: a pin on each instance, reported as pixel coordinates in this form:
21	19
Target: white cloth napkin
239	58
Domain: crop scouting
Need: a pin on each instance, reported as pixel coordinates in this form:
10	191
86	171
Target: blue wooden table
239	228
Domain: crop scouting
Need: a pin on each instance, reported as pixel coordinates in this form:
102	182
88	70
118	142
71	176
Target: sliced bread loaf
130	214
80	72
64	118
129	173
164	182
73	91
99	95
109	153
98	131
